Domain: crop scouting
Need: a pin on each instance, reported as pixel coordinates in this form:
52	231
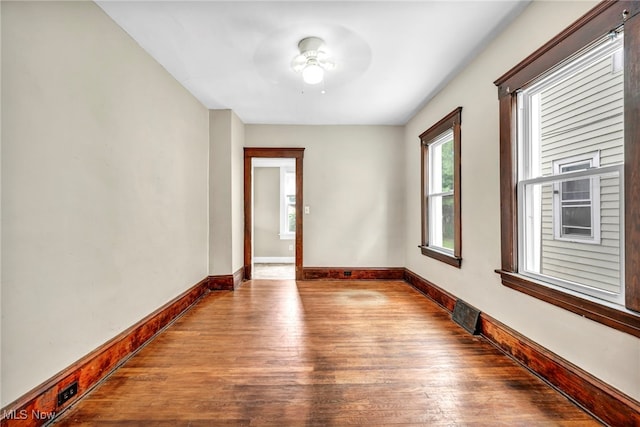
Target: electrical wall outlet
68	393
290	247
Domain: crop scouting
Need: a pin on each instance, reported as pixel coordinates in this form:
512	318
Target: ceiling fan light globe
312	74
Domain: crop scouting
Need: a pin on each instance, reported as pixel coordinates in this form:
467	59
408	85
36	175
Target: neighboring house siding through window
581	124
570	168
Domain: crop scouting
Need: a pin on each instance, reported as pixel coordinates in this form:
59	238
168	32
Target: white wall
608	354
353	184
220	192
226	204
266	215
104	187
237	193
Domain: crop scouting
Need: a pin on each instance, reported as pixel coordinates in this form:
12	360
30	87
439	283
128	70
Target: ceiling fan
312	61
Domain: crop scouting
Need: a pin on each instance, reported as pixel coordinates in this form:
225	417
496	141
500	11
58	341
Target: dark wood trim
443	125
222	282
226	282
632	164
437	294
238	278
273	152
447	259
596	23
457	187
593	395
248	215
299	216
604	17
424	197
508	180
451	121
355	273
95	366
621	320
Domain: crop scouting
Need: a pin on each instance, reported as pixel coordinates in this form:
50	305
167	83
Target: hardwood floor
321	353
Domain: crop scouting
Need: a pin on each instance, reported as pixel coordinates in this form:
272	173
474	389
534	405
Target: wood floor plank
329	353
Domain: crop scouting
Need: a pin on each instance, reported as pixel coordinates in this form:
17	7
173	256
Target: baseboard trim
222	282
226	282
274	260
238	278
39	406
596	397
355	273
439	295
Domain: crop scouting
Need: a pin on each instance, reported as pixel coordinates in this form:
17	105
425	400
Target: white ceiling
391	56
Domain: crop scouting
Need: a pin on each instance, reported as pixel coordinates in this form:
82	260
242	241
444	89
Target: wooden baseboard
39	405
221	282
606	403
226	282
238	278
355	273
595	396
439	295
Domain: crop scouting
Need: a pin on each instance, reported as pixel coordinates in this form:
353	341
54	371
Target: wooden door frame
271	152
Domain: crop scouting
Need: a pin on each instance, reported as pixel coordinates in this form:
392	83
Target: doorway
274	218
278	156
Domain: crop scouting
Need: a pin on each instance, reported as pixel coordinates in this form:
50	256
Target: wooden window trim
603	18
451	121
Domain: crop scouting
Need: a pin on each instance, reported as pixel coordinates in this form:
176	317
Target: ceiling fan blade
299	62
327	65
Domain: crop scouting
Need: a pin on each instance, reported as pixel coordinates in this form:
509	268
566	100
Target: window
287	203
569	159
440	144
576	202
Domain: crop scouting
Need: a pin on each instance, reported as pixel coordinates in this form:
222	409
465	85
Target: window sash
436	163
438	224
575	216
438	191
529	229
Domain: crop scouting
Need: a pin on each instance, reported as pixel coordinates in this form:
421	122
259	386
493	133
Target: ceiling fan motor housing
310	44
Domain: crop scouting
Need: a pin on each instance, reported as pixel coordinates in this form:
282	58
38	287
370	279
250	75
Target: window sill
593	241
620	319
287	236
440	256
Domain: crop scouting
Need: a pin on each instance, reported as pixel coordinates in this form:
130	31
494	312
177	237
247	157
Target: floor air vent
466	316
